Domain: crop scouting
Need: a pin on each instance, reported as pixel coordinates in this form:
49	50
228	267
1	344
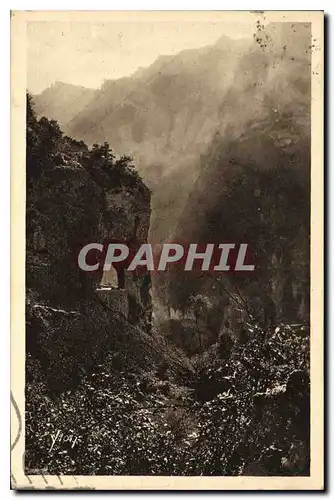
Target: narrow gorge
173	373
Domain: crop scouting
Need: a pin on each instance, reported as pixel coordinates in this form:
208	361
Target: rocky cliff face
167	115
254	185
76	196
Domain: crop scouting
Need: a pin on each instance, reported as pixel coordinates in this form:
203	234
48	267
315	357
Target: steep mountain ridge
167	115
222	134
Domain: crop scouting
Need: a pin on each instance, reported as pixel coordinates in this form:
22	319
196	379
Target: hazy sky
85	53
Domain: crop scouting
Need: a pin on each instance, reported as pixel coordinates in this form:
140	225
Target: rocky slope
245	411
77	196
167	115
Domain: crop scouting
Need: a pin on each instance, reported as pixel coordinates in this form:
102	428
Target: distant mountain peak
61	84
62	101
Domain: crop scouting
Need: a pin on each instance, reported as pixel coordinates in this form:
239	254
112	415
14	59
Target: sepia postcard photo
167	250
